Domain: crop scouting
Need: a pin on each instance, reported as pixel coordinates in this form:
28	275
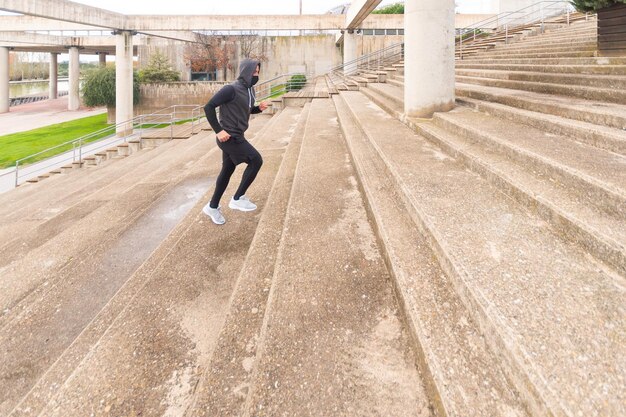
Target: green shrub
396	8
158	70
99	88
296	82
594	5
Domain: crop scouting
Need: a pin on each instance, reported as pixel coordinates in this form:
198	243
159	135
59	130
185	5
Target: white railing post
17	170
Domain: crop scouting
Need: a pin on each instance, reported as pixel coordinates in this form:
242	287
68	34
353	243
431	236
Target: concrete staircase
539	196
469	265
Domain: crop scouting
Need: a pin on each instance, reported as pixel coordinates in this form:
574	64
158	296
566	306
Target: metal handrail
167	116
500	17
376	59
369	55
285	81
504	22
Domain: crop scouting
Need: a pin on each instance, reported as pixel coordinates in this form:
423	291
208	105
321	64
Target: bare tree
210	52
252	46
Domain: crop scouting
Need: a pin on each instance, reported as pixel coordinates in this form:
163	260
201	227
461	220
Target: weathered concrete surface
506	264
224	381
461	372
62	294
174	316
333	341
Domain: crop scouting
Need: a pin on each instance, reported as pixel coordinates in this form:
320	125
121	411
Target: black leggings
233	154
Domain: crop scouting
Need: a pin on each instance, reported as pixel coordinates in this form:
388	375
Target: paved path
42	113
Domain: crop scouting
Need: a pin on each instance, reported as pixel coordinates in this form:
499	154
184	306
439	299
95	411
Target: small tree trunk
110	115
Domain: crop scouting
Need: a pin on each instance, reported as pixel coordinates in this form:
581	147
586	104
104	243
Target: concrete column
54	76
349	52
102	57
74	70
428	57
4	79
124	82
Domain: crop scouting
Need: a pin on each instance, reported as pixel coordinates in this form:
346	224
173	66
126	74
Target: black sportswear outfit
236	103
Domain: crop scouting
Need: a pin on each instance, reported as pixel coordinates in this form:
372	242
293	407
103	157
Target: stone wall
159	96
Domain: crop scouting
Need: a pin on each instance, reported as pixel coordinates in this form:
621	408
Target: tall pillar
349	53
4	79
102	57
124	81
428	57
53	77
74	70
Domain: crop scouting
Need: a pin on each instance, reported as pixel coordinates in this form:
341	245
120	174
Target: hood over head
246	69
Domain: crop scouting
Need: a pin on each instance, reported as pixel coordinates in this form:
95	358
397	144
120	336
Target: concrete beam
244	22
38	39
22	23
142	23
66	11
373	21
88	50
358	11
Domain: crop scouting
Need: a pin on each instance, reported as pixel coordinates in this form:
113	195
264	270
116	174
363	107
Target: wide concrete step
614	70
594	175
517	277
595	112
98	224
553	49
497	55
548	61
587	93
158	322
51	224
600	136
557	37
572	31
540	44
332	325
581	220
599	81
224	382
387	96
462	372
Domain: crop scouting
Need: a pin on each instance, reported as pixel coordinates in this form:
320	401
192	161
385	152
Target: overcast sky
241	6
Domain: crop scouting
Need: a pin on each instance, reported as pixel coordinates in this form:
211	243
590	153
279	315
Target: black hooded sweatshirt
236	103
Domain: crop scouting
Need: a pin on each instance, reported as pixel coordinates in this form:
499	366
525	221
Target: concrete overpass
428	27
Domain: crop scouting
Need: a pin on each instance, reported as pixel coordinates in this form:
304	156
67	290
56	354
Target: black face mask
255	79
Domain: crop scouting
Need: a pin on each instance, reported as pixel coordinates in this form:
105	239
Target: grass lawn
19	145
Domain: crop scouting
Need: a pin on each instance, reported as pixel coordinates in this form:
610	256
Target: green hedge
296	82
594	5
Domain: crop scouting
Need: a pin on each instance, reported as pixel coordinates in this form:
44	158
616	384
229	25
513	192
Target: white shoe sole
204	210
231	206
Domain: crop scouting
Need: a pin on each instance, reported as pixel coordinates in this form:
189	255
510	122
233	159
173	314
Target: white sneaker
243	204
214	214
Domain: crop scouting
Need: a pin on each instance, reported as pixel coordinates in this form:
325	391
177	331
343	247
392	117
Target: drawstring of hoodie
251	97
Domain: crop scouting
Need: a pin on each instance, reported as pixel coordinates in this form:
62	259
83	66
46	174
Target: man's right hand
223	136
